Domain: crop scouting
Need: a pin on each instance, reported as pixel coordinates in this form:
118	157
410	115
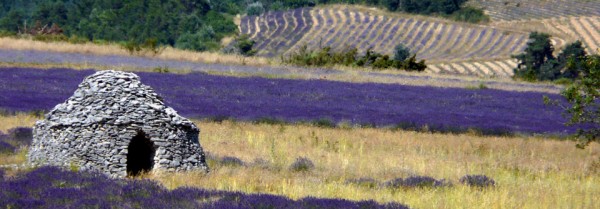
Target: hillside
432	39
586	29
440	42
536	9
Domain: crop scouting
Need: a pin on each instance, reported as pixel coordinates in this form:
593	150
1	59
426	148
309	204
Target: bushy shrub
324	123
232	161
150	45
21	135
204	40
416	182
349	56
244	45
255	8
471	15
302	164
477	181
401	52
270	121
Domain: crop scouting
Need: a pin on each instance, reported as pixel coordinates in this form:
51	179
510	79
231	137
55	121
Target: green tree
571	60
401	52
539	50
245	44
255	8
583	96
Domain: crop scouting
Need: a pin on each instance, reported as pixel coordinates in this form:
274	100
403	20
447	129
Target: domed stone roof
115	124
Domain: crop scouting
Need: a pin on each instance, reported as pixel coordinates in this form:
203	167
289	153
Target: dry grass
168	53
18	120
530	172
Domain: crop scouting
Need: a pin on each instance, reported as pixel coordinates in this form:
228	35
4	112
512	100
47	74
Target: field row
501	68
382	105
563	30
340	28
537	9
275	32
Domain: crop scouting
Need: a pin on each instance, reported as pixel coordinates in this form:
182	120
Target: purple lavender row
539	9
200	95
51	187
293	33
295	24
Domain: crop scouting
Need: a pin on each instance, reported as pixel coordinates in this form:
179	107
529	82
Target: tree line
573	66
186	24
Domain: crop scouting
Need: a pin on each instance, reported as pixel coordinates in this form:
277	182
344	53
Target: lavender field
200	95
537	9
51	187
434	40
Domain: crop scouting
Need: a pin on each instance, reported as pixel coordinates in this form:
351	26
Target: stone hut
116	125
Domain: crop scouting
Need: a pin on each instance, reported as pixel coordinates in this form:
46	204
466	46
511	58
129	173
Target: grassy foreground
529	172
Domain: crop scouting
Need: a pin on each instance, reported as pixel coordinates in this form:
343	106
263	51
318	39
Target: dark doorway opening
140	155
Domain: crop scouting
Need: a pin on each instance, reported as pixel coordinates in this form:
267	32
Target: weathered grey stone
94	128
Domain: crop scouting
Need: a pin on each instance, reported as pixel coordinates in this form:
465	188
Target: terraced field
432	39
537	9
586	29
500	68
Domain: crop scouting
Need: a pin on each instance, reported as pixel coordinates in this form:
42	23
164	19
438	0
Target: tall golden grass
169	53
530	172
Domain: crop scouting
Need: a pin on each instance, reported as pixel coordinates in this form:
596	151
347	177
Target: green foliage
204	40
431	6
571	60
244	45
584	99
401	52
539	50
255	8
470	15
163	69
349	57
453	9
539	63
135	21
150	45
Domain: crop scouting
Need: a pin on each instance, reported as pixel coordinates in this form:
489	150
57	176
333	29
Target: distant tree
391	5
244	45
401	52
571	60
470	14
539	50
255	8
411	64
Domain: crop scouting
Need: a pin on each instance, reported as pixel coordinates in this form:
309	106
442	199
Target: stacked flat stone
93	128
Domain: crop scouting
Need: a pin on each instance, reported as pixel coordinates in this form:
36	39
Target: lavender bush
5	147
22	136
302	164
200	95
477	181
232	161
16	137
51	187
416	182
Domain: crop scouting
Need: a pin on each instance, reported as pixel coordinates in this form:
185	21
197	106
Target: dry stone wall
94	129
